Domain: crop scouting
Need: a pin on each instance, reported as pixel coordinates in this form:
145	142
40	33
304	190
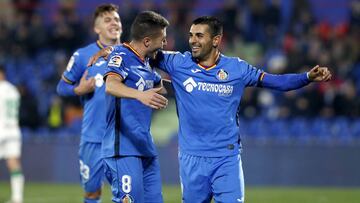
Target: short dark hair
215	25
104	8
147	24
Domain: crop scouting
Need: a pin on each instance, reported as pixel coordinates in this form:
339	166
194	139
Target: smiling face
108	27
201	42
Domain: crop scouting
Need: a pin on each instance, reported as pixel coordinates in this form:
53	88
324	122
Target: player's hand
319	74
153	99
85	85
105	52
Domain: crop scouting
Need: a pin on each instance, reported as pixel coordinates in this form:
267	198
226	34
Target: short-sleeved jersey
207	100
9	110
128	120
93	122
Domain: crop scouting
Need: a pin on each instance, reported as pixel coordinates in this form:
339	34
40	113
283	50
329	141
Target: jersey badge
222	75
127	199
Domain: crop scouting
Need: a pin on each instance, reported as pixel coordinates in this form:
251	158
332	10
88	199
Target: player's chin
114	36
195	54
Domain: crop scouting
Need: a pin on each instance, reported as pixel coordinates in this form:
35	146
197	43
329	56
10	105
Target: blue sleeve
74	69
250	74
116	65
168	60
65	89
284	82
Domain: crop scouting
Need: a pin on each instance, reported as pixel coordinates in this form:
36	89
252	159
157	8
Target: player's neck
211	58
139	48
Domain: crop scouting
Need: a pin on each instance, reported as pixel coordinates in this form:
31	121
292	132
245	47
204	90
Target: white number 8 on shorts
126	183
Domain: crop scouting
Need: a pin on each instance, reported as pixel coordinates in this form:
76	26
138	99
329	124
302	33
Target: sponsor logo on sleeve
115	61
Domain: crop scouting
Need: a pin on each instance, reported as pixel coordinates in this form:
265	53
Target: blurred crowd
38	37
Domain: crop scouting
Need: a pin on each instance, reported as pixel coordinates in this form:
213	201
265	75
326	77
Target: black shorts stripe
117	126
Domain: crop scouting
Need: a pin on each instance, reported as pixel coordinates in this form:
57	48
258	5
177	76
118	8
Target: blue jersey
93	123
128	120
207	100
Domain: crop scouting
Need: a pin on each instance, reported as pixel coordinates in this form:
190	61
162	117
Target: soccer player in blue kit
133	87
78	80
208	87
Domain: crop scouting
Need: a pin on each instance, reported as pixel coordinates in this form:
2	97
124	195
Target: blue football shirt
93	122
128	120
207	100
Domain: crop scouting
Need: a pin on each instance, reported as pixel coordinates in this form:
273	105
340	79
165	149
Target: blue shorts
91	166
135	179
204	178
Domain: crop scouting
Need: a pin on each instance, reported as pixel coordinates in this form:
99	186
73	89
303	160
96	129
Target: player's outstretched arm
65	88
150	98
286	82
105	52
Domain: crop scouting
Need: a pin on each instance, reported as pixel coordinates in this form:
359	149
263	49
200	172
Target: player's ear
216	40
147	41
96	29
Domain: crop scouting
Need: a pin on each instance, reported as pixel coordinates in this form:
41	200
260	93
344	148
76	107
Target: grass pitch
72	193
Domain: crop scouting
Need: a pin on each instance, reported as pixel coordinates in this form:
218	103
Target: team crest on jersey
115	61
127	199
222	75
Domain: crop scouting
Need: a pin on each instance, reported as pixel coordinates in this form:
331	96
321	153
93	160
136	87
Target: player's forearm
119	89
163	90
65	89
284	82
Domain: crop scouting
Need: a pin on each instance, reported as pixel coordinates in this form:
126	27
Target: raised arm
286	82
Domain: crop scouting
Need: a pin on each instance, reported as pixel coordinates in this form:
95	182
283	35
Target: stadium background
308	138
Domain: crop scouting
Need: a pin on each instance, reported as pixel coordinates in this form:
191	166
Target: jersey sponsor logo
222	75
115	61
189	84
221	89
141	84
99	80
127	199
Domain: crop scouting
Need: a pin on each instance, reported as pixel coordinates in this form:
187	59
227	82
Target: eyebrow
197	33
